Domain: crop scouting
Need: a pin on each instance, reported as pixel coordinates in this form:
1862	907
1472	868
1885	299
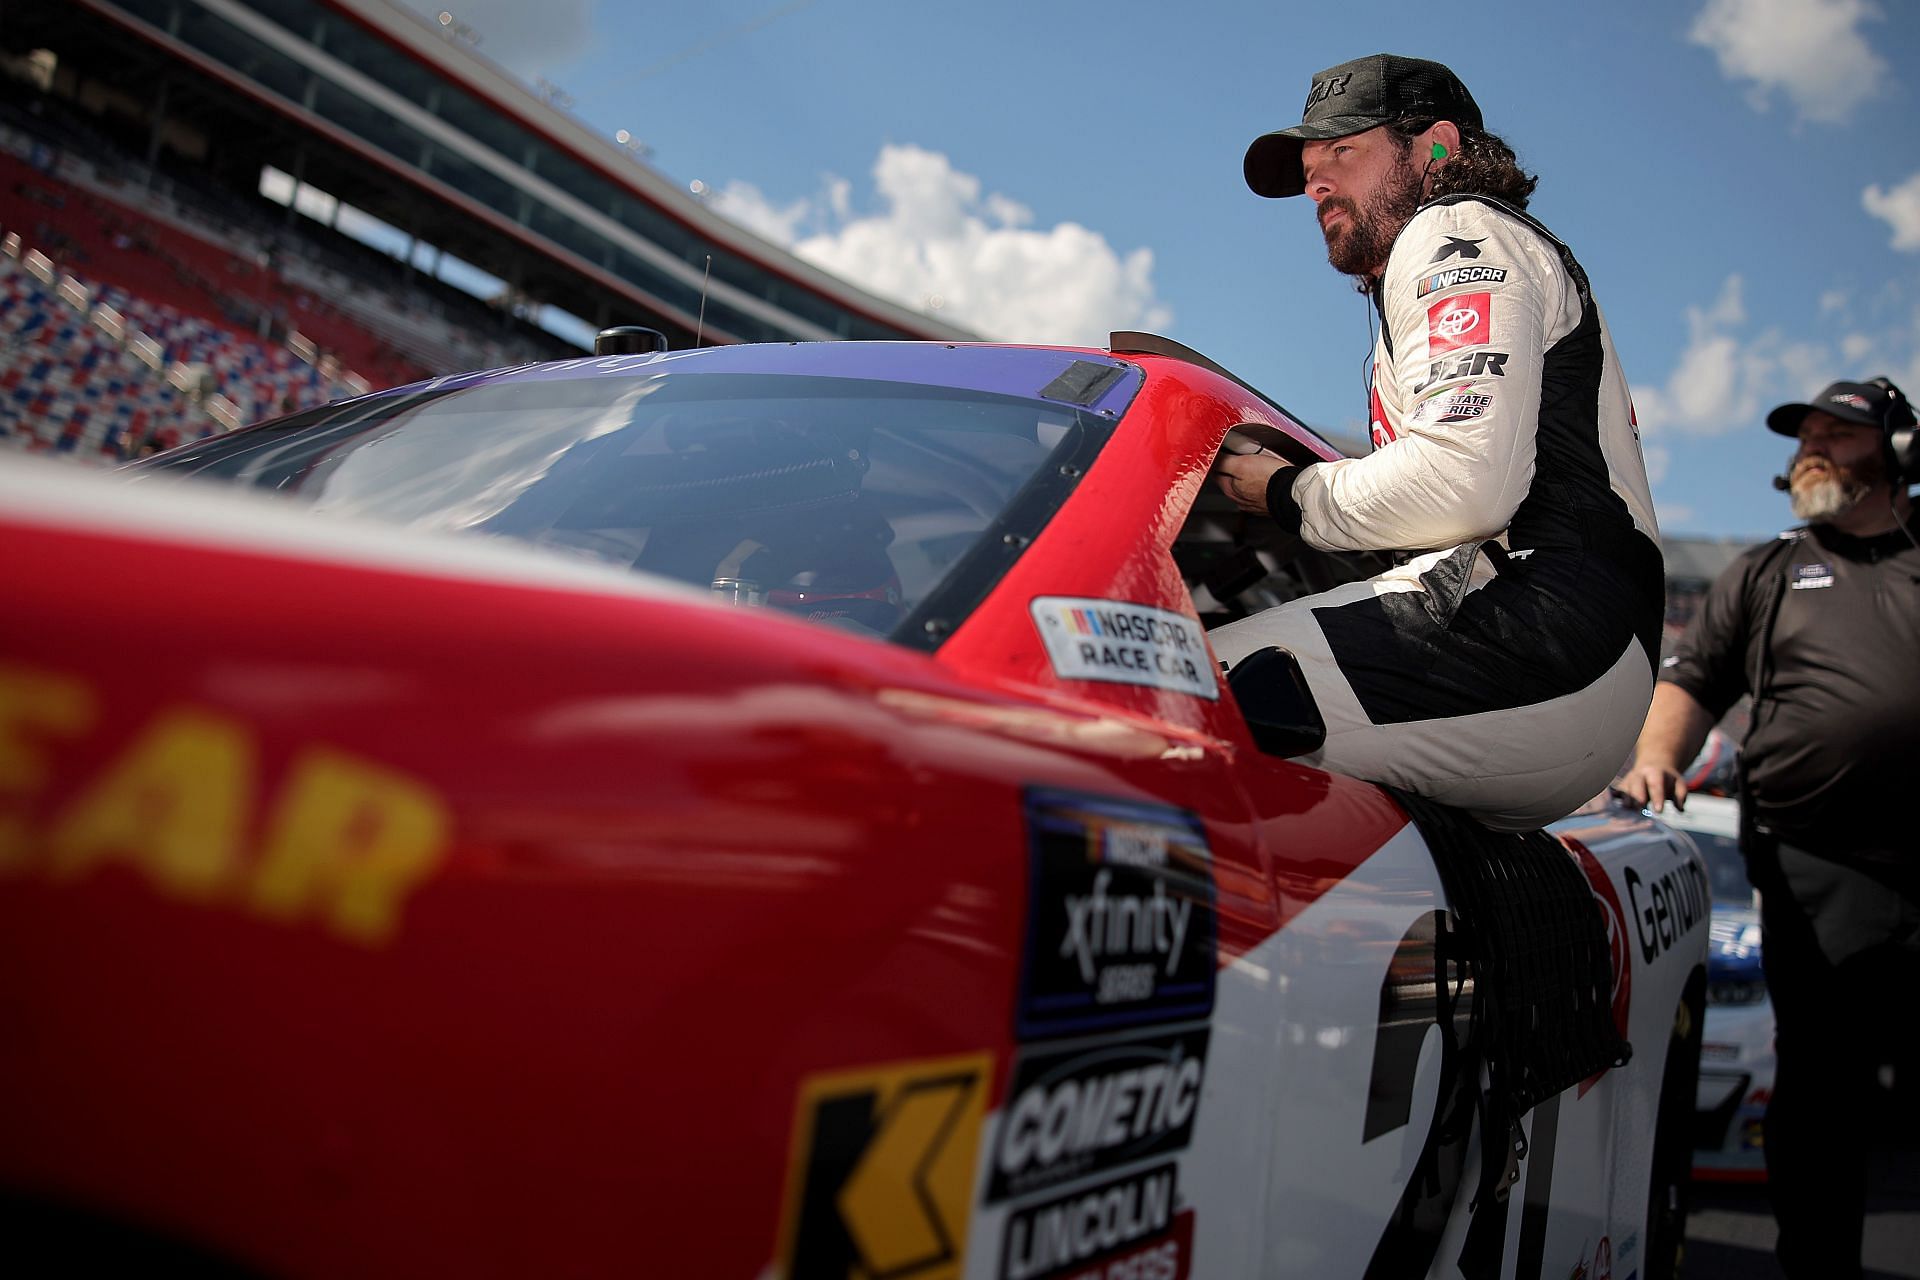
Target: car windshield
846	501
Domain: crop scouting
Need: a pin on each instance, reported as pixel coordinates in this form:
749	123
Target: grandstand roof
359	93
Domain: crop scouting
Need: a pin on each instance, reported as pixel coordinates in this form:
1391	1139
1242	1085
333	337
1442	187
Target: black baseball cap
1353	98
1864	404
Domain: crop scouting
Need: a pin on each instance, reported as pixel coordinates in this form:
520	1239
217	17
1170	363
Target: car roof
1088	378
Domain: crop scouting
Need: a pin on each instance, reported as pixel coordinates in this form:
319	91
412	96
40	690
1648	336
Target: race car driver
1505	667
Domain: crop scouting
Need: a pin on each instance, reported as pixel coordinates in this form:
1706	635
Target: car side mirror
1279	708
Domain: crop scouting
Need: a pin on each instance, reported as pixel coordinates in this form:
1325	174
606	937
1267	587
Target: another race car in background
764	811
1736	1052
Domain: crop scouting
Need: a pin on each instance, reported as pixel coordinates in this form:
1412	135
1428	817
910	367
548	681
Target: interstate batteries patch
1089	639
1120	921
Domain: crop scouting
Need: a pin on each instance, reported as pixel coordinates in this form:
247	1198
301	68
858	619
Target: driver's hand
1651	785
1244	477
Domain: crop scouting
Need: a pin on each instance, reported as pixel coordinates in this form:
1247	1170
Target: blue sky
1741	178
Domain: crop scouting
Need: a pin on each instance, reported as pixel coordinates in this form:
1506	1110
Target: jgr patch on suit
1120	917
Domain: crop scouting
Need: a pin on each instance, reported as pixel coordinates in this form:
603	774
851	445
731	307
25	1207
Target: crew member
1822	627
1506	666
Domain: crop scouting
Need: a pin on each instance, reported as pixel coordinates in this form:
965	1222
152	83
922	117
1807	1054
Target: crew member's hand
1244	478
1652	784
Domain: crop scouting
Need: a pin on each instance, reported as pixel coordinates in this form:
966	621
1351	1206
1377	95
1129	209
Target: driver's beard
1819	499
1360	246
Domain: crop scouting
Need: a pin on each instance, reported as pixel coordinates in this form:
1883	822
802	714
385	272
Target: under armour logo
1455	245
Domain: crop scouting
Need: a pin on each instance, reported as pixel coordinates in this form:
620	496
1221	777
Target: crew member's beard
1359	246
1824	490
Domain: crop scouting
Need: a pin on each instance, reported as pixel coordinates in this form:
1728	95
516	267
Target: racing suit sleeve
1472	299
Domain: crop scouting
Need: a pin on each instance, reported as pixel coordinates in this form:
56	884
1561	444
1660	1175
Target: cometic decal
880	1178
1090	1107
1091	639
1120	920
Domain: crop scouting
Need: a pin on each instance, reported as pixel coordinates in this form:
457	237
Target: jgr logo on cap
1331	87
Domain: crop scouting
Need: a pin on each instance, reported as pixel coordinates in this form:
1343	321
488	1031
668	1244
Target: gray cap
1863	404
1353	98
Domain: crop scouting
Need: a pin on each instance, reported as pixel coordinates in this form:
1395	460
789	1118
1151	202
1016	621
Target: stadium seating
67	387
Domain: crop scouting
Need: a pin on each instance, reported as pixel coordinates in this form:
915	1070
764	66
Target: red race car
769	811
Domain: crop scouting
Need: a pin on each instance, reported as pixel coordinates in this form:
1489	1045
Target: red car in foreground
763	811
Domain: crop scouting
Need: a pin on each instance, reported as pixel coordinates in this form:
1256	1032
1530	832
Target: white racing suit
1508	672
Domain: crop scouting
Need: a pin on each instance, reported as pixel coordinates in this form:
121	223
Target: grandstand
219	209
186	193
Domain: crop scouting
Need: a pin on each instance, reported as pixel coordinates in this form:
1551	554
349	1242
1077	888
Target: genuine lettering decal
1674	905
1106	640
1121	923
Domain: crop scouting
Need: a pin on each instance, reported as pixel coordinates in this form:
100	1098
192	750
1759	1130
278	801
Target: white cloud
1811	50
1899	208
525	38
745	204
1727	378
940	245
1724	379
1833	300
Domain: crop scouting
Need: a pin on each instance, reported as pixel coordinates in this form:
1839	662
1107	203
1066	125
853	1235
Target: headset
1902	442
1899	443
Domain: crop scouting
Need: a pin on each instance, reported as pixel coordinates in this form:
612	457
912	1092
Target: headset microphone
1782	483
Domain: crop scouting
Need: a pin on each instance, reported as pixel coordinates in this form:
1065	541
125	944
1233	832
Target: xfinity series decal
1091	639
1094	1106
880	1179
1120	919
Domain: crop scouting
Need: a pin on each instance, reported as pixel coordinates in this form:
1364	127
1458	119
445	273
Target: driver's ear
1445	134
